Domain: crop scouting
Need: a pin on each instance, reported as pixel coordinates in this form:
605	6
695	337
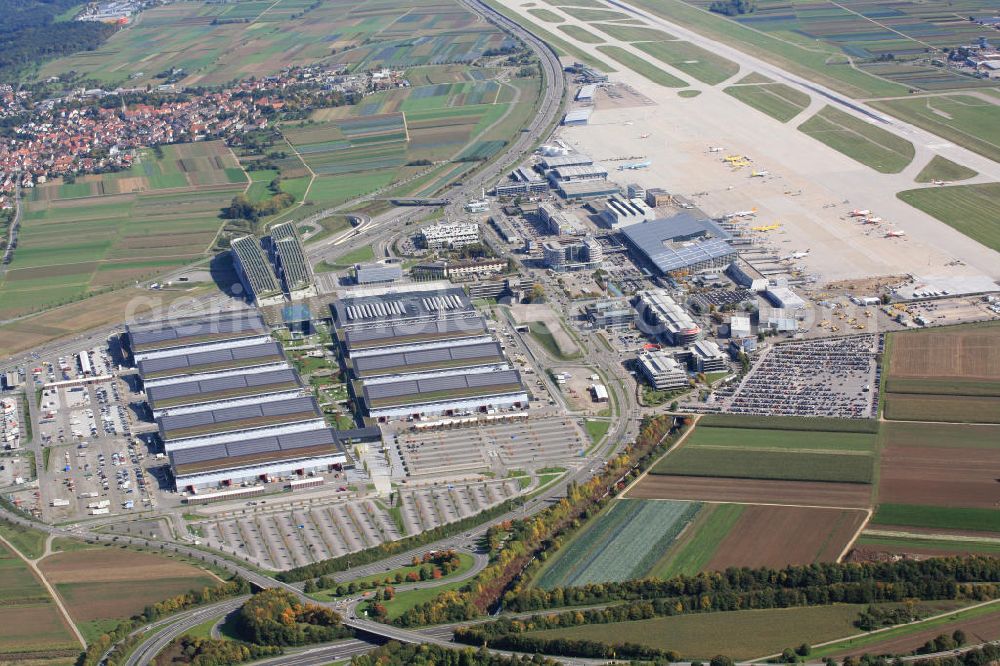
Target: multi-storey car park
422	350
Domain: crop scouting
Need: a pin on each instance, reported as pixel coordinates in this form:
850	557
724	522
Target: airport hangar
229	408
422	350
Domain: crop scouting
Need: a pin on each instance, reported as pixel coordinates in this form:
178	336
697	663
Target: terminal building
661	316
662	370
678	245
229	409
422	350
563	255
259	282
619	213
450	235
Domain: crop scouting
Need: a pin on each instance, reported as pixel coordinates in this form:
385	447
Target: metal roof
442	388
693	239
212	360
221	387
426	359
399	306
556	161
439	329
245	416
163	334
378	273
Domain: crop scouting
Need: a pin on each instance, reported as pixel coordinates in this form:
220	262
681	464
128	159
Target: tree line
428	654
211	652
517	547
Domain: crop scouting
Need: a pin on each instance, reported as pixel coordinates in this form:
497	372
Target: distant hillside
30	34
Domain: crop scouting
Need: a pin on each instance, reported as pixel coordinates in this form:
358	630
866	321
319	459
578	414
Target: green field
629	33
692	553
466	563
941	168
30	542
581	35
968	121
626	541
944	408
779	440
971	209
358	256
539	330
597	429
937	517
861	141
693	60
949	386
640	66
738	634
777	100
763	464
901	544
546	15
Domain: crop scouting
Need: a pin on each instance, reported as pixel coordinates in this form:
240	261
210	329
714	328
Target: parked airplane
797	255
760	174
767	227
715	149
860	213
872	220
644	136
741	213
634	165
895	233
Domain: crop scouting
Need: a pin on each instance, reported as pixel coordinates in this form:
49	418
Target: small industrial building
657	196
613	314
680	244
599	392
571	254
586	93
560	222
450	235
619	212
784	298
739	327
662	370
745	275
368	274
579	116
660	315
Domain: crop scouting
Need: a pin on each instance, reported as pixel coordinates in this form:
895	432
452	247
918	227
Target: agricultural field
945	374
951	519
101	584
845	47
110	230
940	465
971	209
711	489
693	60
861	141
755	453
626	541
31	627
692	552
742	635
943	169
971	122
214	44
640	66
777	100
875	546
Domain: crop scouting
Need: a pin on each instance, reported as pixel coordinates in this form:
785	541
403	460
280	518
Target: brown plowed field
775	536
979	630
967	353
940	476
753	491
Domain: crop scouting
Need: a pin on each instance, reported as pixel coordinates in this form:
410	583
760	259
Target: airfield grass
559	45
546	15
691	59
643	67
738	634
941	168
971	209
970	122
755	77
358	256
938	517
824	63
581	35
576	3
689	93
861	141
629	33
587	14
693	551
777	100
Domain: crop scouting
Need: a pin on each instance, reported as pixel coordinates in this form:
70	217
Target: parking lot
285	538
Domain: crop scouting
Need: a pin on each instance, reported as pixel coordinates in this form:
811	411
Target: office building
450	235
564	254
662	370
259	282
659	315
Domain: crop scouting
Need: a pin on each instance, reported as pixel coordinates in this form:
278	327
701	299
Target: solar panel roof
486	352
225	326
233	384
457	382
196	362
172	423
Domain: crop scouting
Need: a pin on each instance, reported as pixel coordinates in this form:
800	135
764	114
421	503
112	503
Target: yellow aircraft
733	158
768	227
